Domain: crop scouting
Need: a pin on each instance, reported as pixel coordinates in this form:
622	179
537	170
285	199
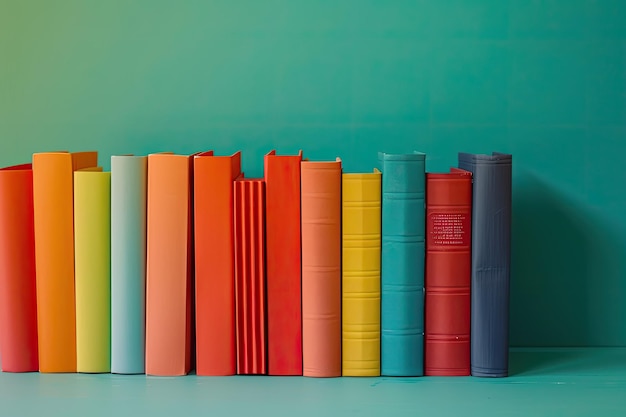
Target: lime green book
92	241
361	200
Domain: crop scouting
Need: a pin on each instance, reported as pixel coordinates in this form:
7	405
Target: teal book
128	263
402	263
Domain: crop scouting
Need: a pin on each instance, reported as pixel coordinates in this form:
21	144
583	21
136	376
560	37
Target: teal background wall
544	80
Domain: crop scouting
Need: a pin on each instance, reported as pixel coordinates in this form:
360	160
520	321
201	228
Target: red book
215	263
250	276
18	292
284	263
448	273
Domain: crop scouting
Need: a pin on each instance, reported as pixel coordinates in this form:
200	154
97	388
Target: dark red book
448	273
249	199
284	264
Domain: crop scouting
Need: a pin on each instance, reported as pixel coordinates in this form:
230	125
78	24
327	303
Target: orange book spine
250	276
53	192
215	263
169	268
321	268
18	299
284	266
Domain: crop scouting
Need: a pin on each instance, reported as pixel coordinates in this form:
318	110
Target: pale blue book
402	263
128	263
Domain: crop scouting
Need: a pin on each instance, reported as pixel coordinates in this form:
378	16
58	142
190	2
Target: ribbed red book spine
18	294
250	276
448	273
284	266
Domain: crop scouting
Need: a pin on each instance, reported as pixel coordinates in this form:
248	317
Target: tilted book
361	274
448	273
491	261
402	269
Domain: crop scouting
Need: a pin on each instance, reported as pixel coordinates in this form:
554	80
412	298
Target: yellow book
361	231
92	241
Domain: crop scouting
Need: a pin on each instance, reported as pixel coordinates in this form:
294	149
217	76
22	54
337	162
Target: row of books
170	263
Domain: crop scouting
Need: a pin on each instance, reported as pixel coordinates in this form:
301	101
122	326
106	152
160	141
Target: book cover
402	269
321	268
92	242
249	204
169	267
361	229
129	184
491	261
18	296
53	195
448	273
284	264
215	263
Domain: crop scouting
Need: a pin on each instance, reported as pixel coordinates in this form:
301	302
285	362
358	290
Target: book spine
250	276
168	274
215	263
321	268
402	269
491	257
92	241
284	268
361	199
53	193
18	299
448	272
128	263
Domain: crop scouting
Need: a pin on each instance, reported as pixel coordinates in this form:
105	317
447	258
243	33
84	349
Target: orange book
169	268
18	299
53	193
215	263
250	276
321	268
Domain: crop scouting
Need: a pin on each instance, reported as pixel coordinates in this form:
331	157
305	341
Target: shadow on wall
556	268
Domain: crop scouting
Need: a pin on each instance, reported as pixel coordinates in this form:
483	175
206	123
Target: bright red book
215	263
284	263
18	292
250	276
448	273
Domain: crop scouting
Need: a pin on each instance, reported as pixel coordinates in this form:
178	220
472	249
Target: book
284	264
402	264
491	261
215	263
250	306
53	195
321	268
361	229
448	273
169	265
18	296
129	184
92	263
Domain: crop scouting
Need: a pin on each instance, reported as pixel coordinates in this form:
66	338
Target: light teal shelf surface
544	382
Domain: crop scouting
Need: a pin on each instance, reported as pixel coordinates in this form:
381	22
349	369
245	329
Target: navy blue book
491	260
402	264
